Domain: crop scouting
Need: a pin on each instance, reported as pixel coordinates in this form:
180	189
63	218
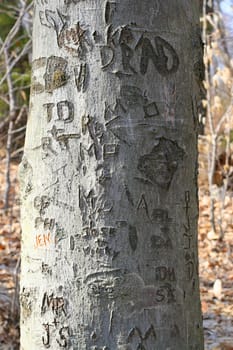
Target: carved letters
70	37
189	256
81	76
136	52
65	111
137	333
63	332
163	273
55	304
133	238
161	220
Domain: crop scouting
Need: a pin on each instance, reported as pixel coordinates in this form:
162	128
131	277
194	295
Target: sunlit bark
108	179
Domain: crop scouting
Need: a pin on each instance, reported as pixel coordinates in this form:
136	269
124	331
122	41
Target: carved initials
159	58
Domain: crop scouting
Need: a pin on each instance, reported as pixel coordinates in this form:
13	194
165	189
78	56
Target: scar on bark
159	166
56	74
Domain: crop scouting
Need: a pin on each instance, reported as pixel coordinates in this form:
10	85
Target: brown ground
216	272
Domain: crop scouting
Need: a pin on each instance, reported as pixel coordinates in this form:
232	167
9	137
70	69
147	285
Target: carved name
63	333
137	55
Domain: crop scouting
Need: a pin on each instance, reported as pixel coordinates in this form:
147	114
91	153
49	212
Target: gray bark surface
109	177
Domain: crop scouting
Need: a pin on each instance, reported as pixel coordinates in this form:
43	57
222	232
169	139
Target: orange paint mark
43	240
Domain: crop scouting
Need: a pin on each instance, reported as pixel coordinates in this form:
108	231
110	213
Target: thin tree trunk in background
109	177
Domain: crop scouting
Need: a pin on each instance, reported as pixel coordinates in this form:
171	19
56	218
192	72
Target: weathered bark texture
108	179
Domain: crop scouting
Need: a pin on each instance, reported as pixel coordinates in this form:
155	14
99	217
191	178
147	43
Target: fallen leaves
216	275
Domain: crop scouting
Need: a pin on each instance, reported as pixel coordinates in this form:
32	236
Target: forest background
215	166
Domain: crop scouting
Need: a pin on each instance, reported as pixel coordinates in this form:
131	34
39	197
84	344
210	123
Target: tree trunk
109	177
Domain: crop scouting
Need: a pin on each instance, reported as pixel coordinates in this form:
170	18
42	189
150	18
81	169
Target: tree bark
109	177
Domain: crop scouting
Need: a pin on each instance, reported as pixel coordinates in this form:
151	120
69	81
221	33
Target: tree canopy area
215	166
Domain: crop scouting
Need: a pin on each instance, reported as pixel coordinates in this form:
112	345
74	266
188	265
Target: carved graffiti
46	269
103	284
131	96
107	56
133	238
41	203
71	37
159	166
127	54
141	337
163	273
55	304
65	111
98	241
94	232
190	265
81	76
49	109
163	222
142	205
110	149
47	148
46	339
159	58
110	8
96	146
102	248
62	205
130	290
26	173
55	74
129	195
93	206
151	110
125	41
46	223
63	332
62	138
187	226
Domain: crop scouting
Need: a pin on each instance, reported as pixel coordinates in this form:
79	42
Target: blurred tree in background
15	51
216	141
